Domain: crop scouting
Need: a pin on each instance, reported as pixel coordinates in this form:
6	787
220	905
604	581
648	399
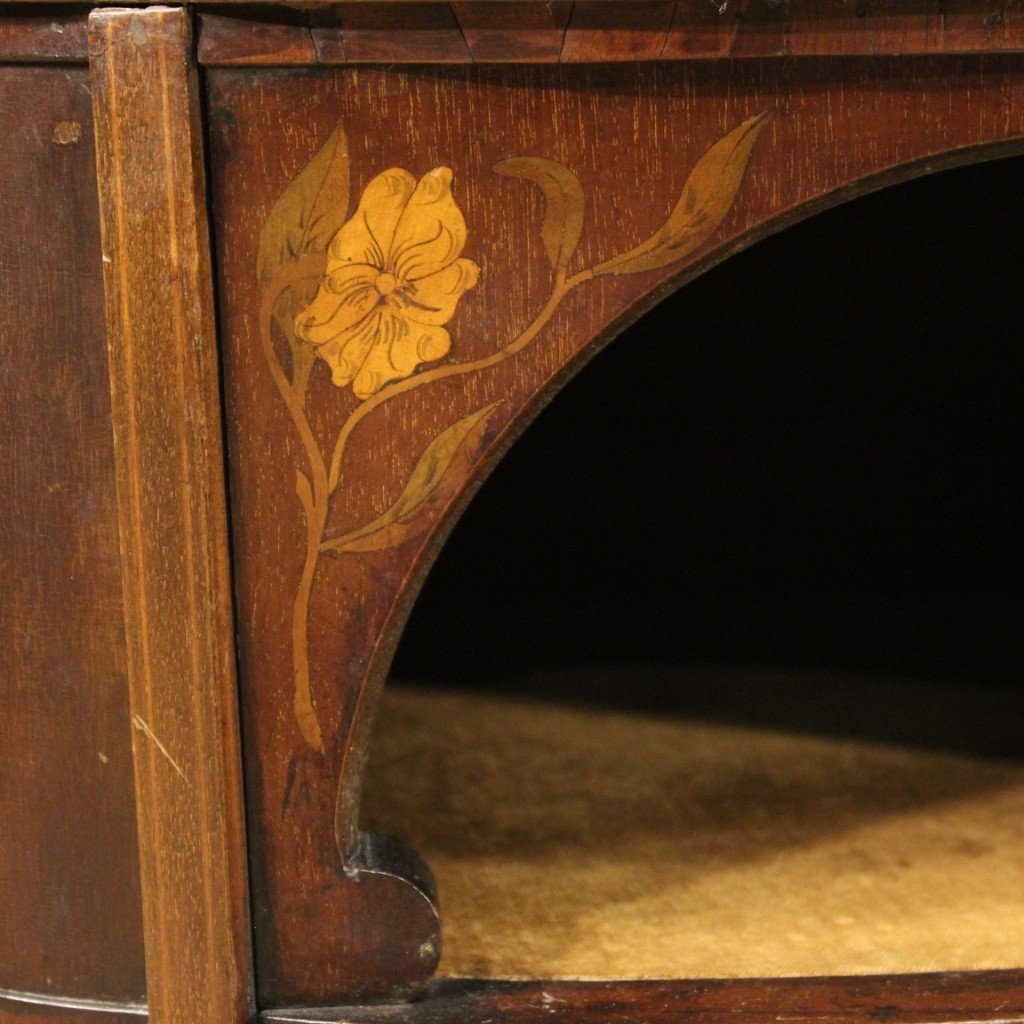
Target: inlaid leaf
436	478
304	219
309	212
707	197
563	203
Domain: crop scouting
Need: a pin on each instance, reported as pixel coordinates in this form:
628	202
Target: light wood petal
343	299
367	236
431	232
400	347
432	299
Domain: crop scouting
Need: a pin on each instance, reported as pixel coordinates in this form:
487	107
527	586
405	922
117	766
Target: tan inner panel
582	843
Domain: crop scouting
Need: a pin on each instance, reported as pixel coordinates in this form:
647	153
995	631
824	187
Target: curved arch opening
720	674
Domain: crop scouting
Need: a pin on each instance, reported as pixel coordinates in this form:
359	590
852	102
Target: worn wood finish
281	37
70	923
911	999
479	31
342	492
634	31
370	33
50	33
514	32
171	503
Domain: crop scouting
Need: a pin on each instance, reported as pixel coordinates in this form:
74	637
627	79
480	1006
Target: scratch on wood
140	724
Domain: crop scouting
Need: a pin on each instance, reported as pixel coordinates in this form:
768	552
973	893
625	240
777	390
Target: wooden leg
173	524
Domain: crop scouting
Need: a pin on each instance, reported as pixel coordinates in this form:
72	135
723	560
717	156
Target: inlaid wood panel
410	261
70	921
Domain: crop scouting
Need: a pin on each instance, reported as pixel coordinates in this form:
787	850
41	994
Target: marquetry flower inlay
394	277
369	296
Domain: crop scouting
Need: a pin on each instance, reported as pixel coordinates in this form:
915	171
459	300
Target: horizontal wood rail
604	30
527	31
995	996
43	34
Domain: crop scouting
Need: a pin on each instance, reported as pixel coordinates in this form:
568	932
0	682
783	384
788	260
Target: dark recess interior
804	466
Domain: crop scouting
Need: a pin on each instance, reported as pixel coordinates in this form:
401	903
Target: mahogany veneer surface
70	919
319	620
73	872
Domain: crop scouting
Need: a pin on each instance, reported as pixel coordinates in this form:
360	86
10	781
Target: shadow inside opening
720	674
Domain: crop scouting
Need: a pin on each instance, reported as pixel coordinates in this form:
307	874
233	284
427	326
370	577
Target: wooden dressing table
327	262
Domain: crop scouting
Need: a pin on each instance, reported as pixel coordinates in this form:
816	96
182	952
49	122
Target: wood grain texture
284	37
371	33
71	920
171	503
513	32
632	135
911	999
48	33
599	32
610	30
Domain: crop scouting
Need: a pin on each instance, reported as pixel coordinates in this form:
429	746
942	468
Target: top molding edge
264	33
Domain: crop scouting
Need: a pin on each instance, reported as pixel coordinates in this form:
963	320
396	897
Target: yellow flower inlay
394	277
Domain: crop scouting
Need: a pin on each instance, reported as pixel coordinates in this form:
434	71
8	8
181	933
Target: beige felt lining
585	843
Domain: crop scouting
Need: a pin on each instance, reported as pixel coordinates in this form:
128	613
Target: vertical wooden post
172	513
